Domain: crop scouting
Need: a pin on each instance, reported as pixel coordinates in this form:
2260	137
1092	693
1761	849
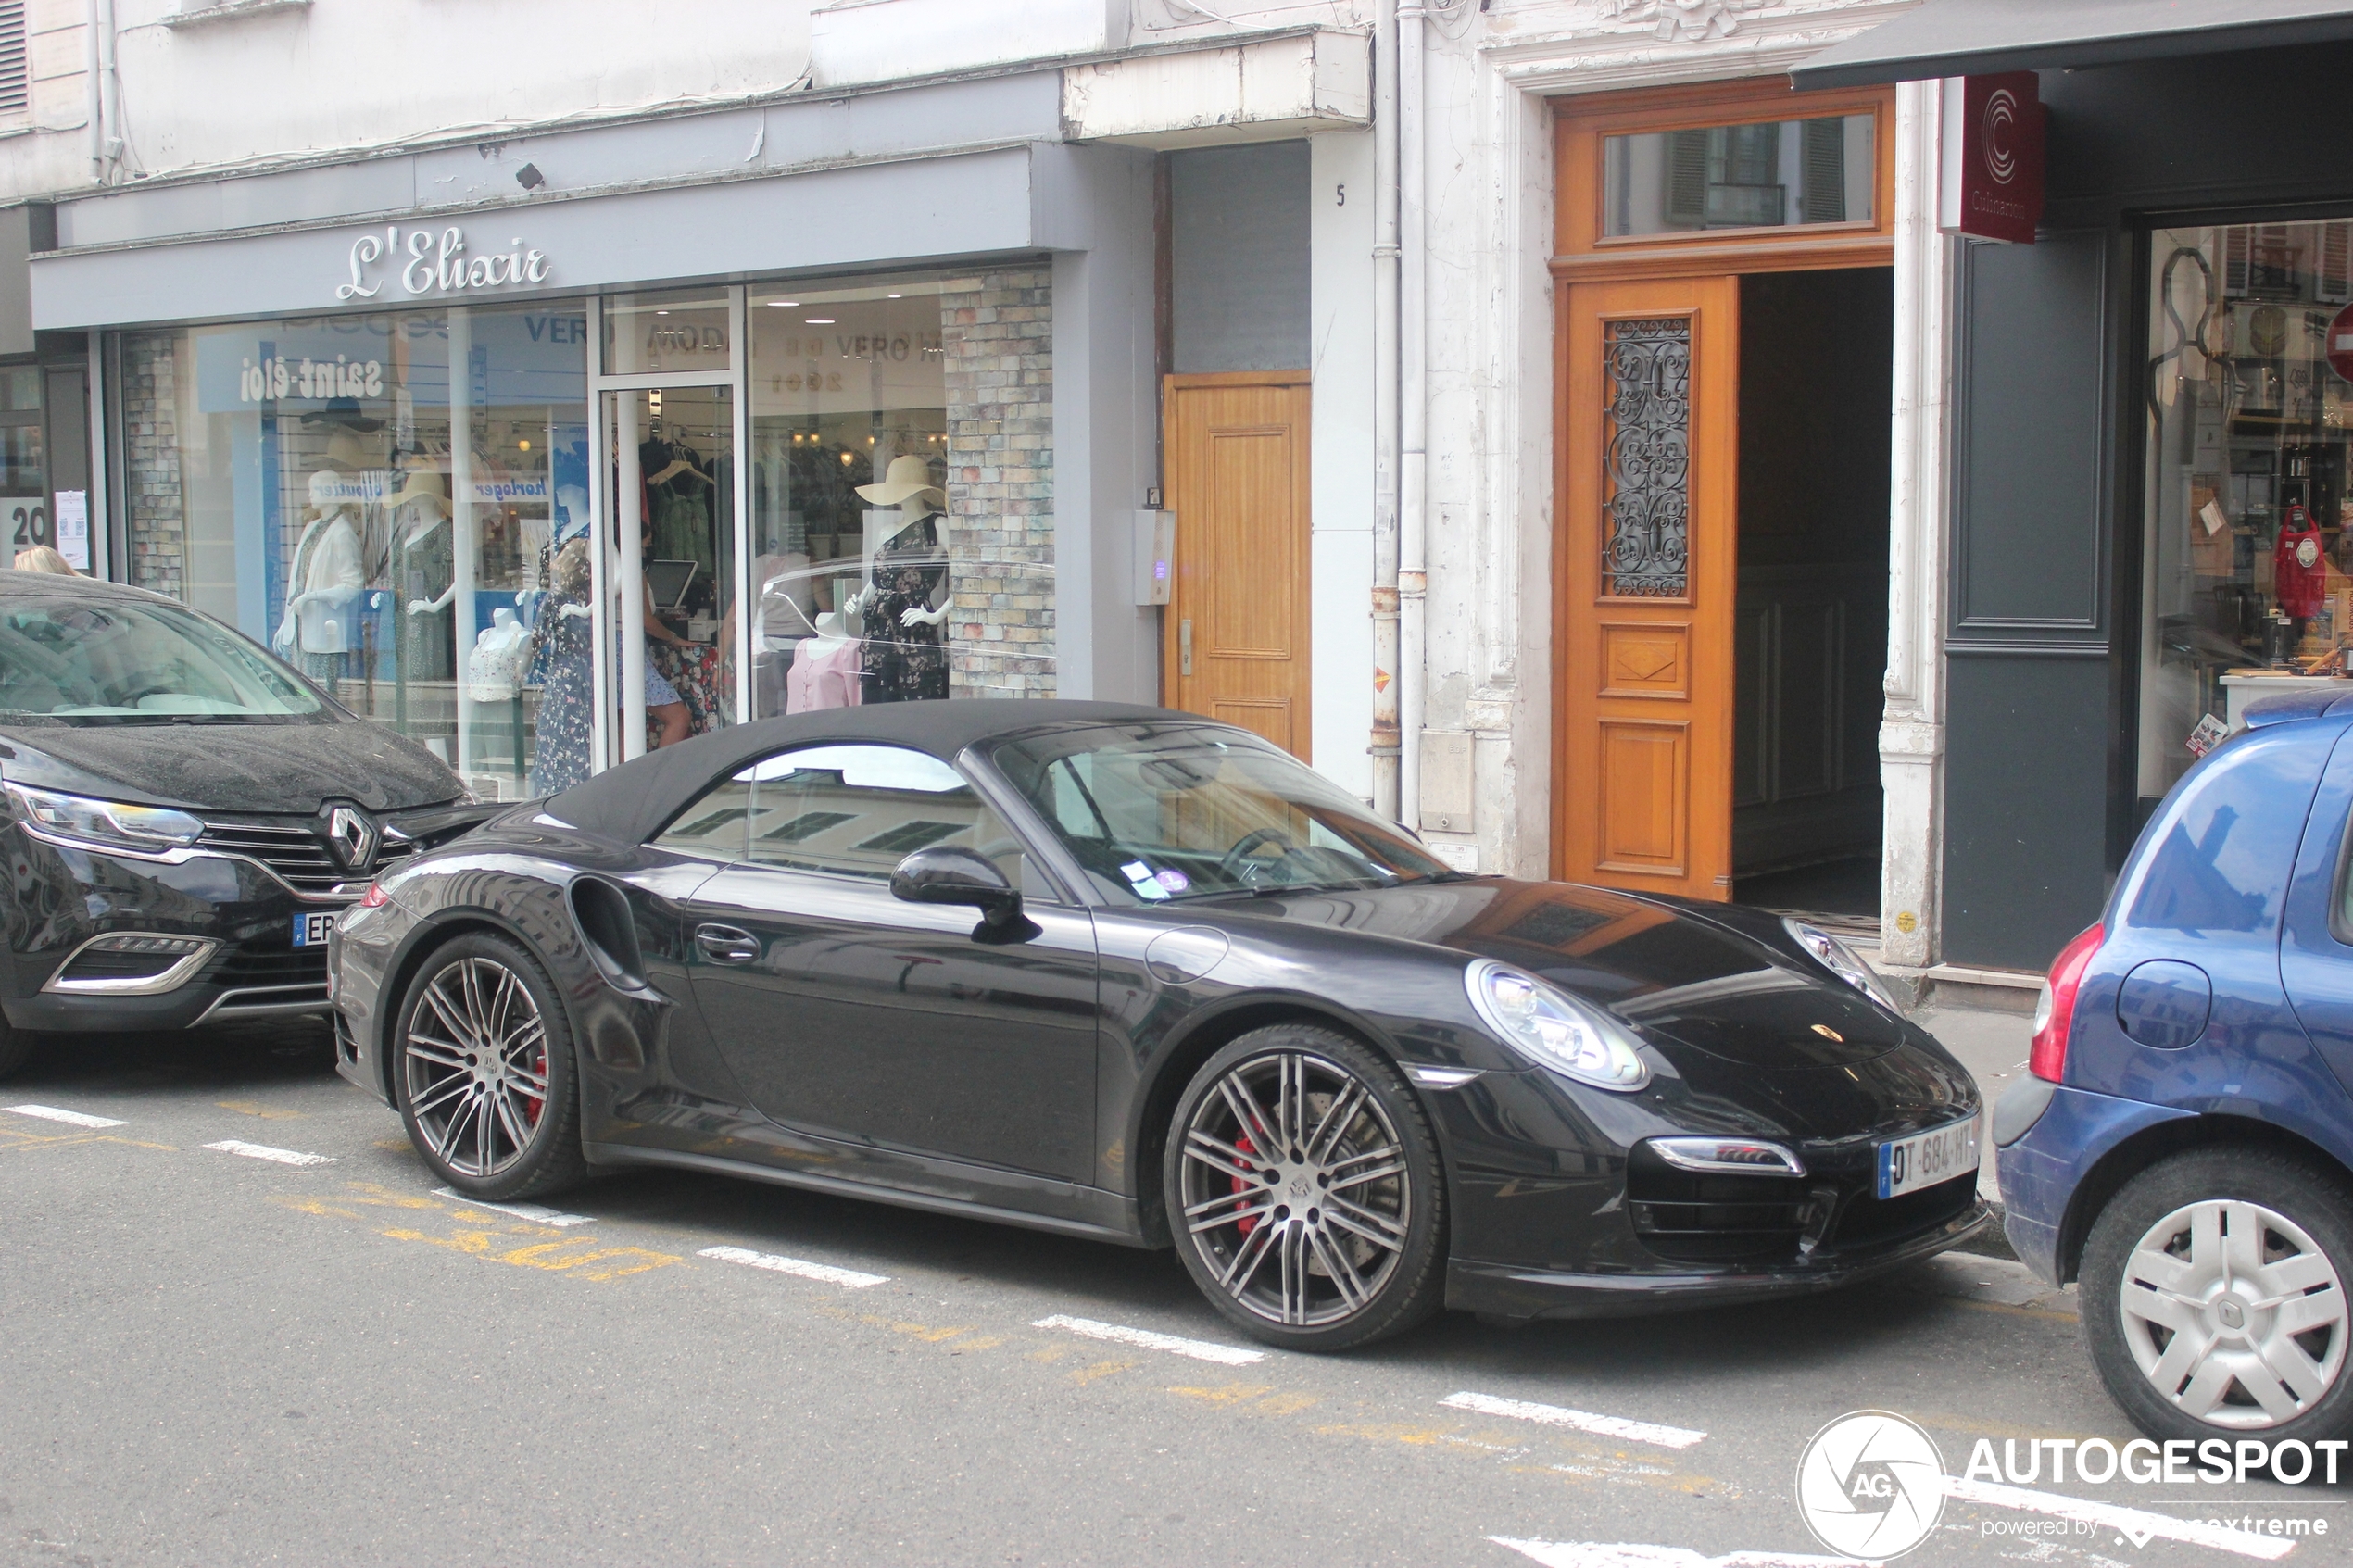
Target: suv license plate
1909	1164
312	931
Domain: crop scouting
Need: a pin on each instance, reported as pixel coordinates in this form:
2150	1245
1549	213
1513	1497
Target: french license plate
1926	1159
312	930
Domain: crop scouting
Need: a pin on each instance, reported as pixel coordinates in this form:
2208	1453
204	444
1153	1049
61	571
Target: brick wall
998	341
156	514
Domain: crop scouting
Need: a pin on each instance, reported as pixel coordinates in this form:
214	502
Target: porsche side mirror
947	875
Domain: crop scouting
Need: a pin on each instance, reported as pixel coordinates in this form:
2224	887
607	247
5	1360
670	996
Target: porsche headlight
1841	961
1554	1029
111	824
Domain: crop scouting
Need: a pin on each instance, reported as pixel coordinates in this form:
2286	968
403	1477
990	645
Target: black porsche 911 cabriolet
1136	975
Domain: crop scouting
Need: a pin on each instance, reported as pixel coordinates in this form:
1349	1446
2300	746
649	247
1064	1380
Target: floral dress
561	651
903	663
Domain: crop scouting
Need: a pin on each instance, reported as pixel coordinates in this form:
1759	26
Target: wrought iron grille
1648	458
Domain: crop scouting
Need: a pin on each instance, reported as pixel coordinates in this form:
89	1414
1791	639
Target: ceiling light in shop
891	297
817	322
783	305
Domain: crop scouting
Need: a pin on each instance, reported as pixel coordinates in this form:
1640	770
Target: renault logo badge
354	837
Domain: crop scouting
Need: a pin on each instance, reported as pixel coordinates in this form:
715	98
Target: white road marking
769	1261
263	1151
71	1118
531	1212
2141	1527
1584	1421
1630	1554
1145	1340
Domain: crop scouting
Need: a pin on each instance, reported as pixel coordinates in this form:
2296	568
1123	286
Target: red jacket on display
2299	572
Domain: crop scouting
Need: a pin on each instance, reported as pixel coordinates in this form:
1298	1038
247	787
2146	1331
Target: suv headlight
111	824
1841	961
1554	1029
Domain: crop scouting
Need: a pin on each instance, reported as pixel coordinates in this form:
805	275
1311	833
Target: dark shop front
2151	429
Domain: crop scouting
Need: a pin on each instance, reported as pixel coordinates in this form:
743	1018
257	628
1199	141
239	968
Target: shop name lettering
436	264
276	377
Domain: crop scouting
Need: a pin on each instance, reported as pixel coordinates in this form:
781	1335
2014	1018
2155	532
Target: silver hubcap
476	1057
1295	1191
2234	1314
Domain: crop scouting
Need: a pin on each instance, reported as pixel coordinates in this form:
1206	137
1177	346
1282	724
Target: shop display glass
854	553
24	497
330	487
2247	564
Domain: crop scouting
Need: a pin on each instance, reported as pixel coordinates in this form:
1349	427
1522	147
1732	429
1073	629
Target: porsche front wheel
483	1071
1305	1191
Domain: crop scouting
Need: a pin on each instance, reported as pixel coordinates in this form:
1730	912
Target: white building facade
1315	296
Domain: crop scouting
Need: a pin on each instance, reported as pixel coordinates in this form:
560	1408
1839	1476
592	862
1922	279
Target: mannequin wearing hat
424	576
906	596
318	628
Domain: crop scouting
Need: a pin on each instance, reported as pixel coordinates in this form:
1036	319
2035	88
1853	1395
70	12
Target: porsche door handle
725	943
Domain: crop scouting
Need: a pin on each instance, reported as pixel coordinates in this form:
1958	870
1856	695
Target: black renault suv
183	815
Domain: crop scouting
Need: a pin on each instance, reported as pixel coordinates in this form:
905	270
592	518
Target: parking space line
531	1212
71	1118
775	1264
1621	1554
277	1155
1145	1340
1584	1421
2140	1525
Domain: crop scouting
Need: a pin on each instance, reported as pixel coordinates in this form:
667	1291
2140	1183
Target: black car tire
2174	1194
1365	1270
15	1048
466	1061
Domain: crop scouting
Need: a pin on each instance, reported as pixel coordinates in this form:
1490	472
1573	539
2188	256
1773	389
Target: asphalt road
209	1356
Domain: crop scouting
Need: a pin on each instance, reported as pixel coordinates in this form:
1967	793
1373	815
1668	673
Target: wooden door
1649	462
1236	631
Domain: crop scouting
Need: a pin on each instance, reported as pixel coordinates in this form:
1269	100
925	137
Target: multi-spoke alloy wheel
484	1070
1299	1172
2214	1289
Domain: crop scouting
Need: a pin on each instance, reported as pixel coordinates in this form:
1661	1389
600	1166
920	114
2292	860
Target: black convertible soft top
630	802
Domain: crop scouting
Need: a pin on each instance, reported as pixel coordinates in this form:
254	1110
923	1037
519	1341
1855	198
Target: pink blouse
820	680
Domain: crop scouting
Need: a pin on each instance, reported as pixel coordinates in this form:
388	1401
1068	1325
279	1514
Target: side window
858	811
713	827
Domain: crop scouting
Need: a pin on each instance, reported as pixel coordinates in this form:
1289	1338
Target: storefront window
2245	571
382	500
1768	175
24	500
899	485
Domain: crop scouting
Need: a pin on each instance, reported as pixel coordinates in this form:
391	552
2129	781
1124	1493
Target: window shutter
15	70
1825	164
1687	178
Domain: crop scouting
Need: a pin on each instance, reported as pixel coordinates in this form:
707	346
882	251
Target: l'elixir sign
1992	139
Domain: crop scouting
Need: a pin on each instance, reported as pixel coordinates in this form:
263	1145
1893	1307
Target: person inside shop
669	719
904	603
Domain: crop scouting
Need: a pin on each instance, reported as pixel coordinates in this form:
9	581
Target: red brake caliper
1247	1223
533	1104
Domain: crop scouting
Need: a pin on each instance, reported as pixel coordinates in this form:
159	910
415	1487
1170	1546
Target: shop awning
1978	37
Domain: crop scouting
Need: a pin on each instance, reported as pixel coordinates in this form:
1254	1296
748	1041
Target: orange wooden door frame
1643	659
1235	459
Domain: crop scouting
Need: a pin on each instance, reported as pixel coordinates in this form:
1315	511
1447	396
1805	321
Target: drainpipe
1413	396
1384	673
105	104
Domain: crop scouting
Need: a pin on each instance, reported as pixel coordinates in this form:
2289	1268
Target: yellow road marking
1227	1394
1085	1375
252	1108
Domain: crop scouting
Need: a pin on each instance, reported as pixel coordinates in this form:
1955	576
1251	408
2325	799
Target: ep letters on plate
1909	1164
310	930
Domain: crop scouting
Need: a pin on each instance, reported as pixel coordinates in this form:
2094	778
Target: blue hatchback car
2184	1145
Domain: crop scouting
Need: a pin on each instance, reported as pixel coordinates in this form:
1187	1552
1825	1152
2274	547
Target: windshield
88	661
1159	813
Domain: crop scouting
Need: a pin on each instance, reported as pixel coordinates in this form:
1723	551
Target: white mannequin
830	635
882	527
907	491
428	509
328	552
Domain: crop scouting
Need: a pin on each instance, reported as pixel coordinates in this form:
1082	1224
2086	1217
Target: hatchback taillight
2054	1009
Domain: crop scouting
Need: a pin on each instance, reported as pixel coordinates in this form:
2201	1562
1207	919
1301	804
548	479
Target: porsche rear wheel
483	1072
1305	1191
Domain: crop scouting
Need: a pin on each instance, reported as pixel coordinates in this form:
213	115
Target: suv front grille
293	849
